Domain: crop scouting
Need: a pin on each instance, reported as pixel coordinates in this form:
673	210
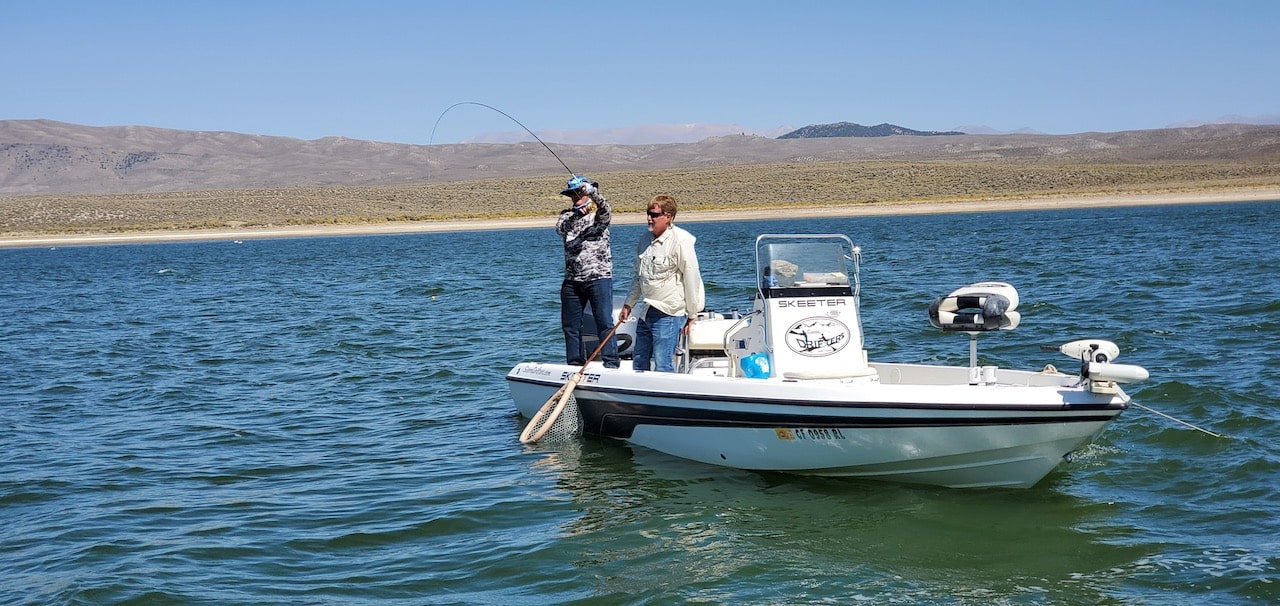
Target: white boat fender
977	307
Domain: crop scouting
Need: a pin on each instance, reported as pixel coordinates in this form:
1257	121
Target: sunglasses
655	214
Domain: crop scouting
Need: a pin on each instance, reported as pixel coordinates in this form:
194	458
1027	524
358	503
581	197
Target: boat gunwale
1041	409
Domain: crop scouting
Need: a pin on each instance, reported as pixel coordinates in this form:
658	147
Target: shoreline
634	218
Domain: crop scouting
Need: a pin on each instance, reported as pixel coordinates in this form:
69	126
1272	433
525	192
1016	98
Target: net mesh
566	426
559	420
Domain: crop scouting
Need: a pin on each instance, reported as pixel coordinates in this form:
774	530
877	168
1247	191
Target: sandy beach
407	227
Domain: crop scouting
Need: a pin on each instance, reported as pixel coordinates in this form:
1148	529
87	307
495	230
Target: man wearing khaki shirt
667	280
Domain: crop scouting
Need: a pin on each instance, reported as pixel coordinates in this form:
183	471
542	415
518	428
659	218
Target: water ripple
326	421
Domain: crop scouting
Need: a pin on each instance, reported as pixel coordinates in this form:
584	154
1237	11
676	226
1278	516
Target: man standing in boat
588	270
669	283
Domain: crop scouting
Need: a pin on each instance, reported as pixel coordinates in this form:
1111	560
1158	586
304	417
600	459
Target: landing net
558	421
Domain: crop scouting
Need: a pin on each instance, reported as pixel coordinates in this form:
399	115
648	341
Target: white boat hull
1011	432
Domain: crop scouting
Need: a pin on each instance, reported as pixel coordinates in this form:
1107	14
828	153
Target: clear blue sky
385	71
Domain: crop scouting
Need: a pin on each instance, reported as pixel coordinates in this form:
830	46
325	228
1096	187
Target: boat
788	387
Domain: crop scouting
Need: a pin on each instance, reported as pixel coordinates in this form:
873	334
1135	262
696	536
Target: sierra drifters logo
817	336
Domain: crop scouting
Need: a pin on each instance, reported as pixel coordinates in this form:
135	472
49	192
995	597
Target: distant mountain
982	129
1231	119
646	134
850	129
48	157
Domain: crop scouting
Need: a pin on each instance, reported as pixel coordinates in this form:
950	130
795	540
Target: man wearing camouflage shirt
588	270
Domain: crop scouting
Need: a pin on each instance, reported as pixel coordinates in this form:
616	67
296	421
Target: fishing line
526	129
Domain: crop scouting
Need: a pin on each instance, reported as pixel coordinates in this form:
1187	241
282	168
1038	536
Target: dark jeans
574	298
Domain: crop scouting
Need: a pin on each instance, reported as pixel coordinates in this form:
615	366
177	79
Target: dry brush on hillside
812	184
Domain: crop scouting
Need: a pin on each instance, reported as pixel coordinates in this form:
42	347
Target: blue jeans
574	298
657	335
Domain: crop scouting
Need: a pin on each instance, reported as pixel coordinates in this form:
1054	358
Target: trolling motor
1096	364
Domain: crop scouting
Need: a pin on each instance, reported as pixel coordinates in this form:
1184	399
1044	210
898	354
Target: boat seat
708	334
835	373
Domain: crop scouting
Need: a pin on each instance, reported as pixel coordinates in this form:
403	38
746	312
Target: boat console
805	322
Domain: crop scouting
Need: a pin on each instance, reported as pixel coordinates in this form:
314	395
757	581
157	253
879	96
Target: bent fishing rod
526	129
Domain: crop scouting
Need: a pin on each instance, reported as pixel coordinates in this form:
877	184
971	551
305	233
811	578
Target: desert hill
64	178
48	157
853	129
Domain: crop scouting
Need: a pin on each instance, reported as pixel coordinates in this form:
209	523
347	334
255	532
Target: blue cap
575	183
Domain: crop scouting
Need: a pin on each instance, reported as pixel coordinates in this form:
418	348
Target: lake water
326	421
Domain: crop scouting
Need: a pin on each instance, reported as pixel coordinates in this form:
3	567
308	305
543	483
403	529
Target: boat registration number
809	433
